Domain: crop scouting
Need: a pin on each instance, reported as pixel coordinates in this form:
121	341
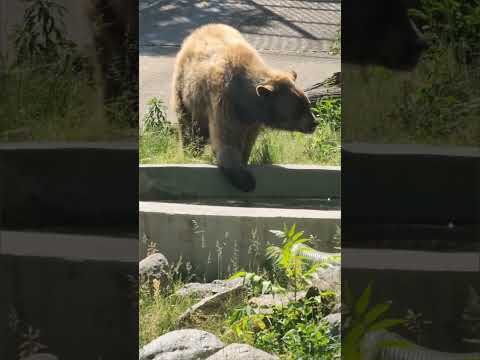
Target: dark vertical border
410	183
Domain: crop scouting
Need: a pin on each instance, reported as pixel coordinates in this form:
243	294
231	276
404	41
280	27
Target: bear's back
219	47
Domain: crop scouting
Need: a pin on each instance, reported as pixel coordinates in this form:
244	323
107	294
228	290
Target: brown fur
223	92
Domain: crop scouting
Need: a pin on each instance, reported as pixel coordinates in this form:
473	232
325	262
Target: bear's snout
310	123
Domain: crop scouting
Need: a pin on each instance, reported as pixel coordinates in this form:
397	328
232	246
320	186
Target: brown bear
225	93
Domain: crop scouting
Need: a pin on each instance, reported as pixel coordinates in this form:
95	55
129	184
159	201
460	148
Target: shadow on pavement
167	22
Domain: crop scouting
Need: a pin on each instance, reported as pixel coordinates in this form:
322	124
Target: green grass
159	311
160	143
40	105
438	103
47	85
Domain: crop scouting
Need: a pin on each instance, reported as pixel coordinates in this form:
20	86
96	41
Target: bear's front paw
241	179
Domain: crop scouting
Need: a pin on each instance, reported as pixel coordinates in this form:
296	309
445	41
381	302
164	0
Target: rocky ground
188	343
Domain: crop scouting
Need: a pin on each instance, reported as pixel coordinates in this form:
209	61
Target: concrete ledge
410	184
67	246
171	182
417	260
212	237
227	211
70	185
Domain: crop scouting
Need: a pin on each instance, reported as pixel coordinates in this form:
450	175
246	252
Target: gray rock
203	290
328	279
334	322
186	344
153	267
214	304
241	352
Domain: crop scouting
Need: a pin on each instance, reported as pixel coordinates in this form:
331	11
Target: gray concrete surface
289	34
286	26
190	182
212	237
386	259
70	186
69	246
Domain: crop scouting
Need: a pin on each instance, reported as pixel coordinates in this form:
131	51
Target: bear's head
287	106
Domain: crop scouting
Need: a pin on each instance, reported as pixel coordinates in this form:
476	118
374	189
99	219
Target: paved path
290	34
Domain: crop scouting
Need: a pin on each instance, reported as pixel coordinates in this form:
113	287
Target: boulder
214	304
186	344
152	267
241	352
202	290
328	279
334	322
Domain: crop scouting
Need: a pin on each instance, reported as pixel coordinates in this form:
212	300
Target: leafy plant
258	284
360	319
155	118
41	37
295	330
452	23
416	324
445	103
329	111
297	269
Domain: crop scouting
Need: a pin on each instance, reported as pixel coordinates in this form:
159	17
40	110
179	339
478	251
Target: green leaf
375	313
353	337
297	235
237	275
362	303
266	286
292	231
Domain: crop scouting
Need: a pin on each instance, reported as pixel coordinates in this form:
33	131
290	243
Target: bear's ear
264	89
294	74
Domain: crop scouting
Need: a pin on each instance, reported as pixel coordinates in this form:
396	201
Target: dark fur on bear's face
287	106
379	32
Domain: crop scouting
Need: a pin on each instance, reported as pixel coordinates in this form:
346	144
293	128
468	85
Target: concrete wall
69	186
195	232
429	185
69	246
